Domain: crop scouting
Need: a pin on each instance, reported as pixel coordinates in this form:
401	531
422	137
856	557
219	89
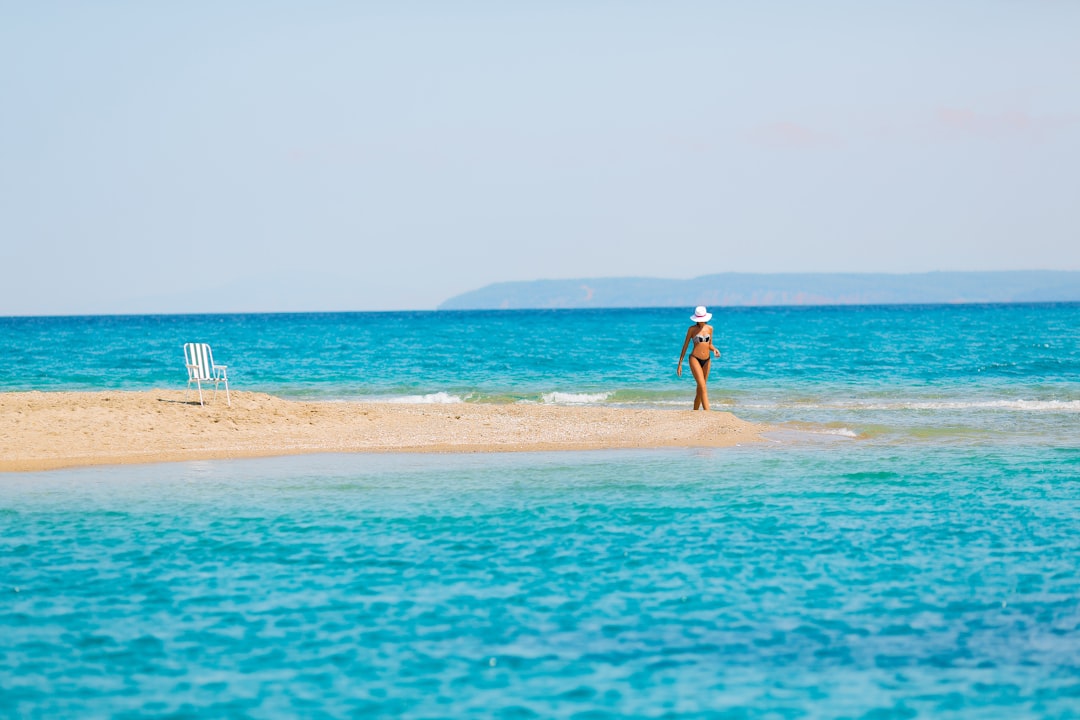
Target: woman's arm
682	352
712	334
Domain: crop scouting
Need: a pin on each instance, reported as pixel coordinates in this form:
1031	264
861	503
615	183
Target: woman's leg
705	383
701	400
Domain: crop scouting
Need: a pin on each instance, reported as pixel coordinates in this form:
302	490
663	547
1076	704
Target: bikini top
702	338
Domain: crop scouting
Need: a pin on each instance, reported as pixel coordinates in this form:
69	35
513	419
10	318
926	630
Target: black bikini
702	339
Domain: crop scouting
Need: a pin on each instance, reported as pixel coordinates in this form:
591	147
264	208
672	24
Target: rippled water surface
851	579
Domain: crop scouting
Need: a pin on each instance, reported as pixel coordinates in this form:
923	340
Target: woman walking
701	335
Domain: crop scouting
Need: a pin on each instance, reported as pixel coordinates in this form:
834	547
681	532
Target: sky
252	155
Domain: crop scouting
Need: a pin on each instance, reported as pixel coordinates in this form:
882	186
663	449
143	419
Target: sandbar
49	430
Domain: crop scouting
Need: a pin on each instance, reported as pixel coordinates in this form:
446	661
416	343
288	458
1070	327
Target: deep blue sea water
905	545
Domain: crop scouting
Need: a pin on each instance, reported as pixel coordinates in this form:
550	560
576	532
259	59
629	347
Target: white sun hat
701	314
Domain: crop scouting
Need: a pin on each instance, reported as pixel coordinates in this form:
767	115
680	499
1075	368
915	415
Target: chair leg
199	384
228	400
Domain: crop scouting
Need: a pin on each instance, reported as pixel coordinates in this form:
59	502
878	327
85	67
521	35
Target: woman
701	335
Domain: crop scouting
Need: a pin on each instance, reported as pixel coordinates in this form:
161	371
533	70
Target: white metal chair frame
201	369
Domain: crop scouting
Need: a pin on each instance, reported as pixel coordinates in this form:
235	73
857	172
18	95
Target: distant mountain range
744	289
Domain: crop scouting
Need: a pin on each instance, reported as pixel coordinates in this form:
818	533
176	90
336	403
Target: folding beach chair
201	369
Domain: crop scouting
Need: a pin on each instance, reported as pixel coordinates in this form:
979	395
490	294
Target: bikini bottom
703	363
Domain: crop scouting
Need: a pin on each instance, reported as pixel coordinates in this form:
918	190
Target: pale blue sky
229	156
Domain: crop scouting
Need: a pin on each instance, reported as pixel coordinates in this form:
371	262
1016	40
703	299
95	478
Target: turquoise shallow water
753	582
904	545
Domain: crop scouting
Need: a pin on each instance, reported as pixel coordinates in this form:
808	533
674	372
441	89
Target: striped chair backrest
198	354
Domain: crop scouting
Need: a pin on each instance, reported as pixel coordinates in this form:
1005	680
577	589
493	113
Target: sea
904	543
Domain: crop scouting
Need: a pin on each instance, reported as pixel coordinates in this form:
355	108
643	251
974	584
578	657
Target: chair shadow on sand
179	402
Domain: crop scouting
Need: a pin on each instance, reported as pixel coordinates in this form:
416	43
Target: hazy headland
764	289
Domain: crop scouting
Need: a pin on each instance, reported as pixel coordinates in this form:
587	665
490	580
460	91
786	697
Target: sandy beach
47	430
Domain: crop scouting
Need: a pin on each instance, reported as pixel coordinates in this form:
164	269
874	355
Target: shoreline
52	430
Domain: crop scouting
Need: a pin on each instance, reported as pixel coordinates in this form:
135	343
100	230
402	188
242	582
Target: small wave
841	432
1025	405
1022	405
802	432
565	398
1050	405
429	399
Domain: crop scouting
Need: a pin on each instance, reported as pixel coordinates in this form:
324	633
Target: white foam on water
429	399
1029	405
564	398
1021	405
841	432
